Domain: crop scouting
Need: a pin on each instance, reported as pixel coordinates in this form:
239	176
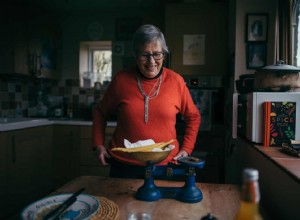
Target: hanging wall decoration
256	27
194	49
256	55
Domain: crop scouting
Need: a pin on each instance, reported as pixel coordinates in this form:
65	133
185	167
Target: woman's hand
181	153
102	154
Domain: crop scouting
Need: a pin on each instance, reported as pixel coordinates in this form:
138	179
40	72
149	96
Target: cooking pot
277	77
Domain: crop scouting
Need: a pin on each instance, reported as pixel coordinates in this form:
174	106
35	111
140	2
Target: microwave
254	112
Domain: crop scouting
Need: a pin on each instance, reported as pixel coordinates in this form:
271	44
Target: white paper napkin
140	143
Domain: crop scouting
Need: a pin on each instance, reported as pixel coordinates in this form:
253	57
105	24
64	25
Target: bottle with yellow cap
250	196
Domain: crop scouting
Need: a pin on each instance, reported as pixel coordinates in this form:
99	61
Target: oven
209	96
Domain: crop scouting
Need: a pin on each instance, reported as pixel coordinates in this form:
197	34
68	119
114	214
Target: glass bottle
250	197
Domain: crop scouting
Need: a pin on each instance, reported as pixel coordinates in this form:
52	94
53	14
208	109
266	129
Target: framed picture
125	27
256	27
256	55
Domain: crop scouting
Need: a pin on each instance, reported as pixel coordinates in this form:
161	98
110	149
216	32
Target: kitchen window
95	63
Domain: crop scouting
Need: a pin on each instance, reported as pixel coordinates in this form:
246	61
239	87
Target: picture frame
256	55
256	27
125	27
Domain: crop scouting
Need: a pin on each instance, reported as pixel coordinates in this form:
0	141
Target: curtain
294	24
286	28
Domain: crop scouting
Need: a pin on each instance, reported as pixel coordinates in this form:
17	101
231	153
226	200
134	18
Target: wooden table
222	200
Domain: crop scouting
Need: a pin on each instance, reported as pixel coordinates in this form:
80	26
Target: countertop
9	124
221	200
290	164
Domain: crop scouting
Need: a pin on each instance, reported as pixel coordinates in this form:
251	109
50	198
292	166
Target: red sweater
124	97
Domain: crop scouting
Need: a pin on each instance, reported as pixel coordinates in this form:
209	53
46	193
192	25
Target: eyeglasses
146	56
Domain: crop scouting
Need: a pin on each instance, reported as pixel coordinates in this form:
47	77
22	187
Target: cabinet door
21	50
89	162
6	47
88	157
45	48
65	154
14	48
234	161
3	174
29	157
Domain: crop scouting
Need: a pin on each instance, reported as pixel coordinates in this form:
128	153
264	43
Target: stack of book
280	123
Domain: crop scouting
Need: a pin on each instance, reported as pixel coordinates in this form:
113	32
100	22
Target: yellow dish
147	148
153	156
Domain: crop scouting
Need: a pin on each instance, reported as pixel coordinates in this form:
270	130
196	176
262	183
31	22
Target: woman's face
149	66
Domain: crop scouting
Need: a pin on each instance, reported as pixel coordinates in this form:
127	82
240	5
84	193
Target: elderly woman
146	98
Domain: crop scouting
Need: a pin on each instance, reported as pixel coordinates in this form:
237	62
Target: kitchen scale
186	166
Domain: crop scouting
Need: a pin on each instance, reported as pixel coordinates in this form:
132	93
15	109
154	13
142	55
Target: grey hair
148	33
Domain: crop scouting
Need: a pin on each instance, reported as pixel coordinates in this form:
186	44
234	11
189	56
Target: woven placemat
108	209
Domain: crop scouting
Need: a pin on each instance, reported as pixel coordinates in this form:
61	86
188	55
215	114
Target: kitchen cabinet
30	48
209	146
27	162
3	173
45	48
65	153
14	48
280	194
89	162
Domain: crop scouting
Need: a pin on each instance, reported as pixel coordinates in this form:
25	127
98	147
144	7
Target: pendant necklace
152	94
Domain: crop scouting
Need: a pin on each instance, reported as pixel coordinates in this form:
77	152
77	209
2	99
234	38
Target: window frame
86	58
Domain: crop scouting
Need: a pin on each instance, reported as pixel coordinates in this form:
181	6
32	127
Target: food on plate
161	146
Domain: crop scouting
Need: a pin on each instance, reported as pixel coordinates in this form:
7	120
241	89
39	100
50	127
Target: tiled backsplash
23	94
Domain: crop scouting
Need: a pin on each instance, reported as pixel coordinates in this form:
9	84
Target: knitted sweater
124	97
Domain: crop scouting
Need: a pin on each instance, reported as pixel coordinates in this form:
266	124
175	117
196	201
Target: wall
237	46
244	7
75	30
24	92
209	18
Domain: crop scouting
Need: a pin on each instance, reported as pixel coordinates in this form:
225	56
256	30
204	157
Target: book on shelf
279	122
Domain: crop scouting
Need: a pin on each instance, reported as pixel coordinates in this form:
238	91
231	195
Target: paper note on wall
193	49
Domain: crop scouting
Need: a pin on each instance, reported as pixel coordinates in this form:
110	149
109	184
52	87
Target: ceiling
28	8
84	5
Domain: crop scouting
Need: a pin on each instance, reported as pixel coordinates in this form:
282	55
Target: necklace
152	94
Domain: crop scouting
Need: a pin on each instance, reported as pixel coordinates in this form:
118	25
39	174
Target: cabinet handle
71	138
230	149
13	149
